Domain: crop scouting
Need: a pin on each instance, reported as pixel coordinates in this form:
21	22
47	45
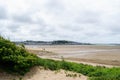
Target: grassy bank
16	59
94	73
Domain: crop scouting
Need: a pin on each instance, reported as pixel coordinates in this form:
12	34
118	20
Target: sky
93	21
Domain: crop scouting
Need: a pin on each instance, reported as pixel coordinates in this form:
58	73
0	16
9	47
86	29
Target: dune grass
16	59
93	72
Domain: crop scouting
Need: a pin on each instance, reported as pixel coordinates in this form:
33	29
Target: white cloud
79	20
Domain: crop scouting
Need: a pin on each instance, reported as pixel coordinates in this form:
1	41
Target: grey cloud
14	27
88	17
26	18
72	27
9	28
23	18
3	13
92	34
43	30
115	30
55	7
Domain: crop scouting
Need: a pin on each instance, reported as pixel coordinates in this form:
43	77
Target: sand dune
41	74
38	73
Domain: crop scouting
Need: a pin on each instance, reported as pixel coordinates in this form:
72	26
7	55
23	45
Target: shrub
15	58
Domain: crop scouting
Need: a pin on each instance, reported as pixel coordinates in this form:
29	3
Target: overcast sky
94	21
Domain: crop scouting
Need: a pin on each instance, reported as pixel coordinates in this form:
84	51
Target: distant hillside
57	42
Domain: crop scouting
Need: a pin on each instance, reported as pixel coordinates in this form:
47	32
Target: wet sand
99	54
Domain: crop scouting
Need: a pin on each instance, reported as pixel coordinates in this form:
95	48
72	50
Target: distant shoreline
58	42
62	42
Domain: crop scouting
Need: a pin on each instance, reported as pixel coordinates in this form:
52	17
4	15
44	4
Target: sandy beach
96	54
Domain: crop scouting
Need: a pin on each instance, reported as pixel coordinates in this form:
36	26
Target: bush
15	58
